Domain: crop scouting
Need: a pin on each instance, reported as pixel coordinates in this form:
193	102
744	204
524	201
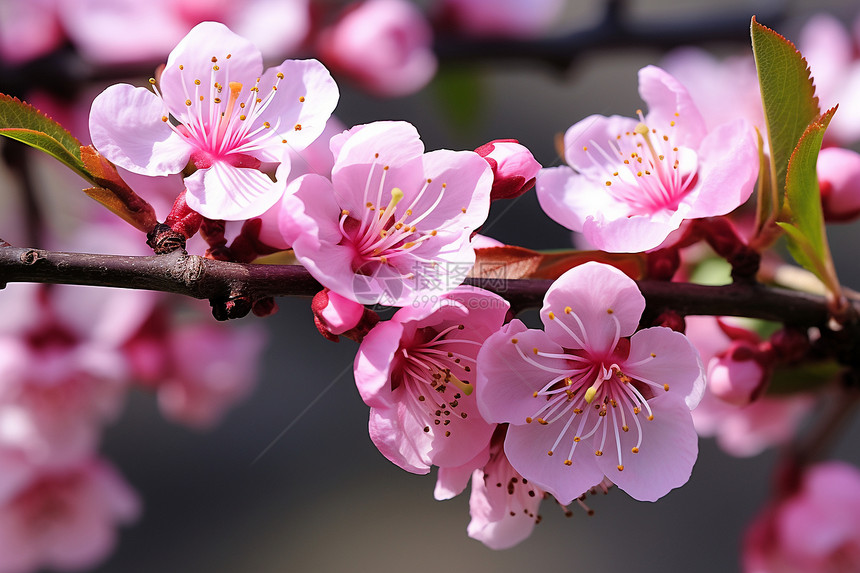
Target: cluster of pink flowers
598	397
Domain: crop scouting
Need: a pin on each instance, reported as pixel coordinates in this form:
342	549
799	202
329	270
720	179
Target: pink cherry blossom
215	109
64	519
505	18
816	529
631	182
503	504
417	372
385	46
588	398
393	223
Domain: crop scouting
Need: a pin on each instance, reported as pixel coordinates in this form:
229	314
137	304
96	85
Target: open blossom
385	46
631	182
393	224
587	398
65	518
216	110
816	529
417	373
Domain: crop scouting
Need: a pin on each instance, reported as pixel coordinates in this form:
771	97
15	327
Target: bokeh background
290	481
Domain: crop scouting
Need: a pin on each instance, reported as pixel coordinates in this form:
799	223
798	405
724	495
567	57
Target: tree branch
221	282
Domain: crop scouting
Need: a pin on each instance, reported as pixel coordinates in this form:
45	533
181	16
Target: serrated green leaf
803	198
788	97
24	123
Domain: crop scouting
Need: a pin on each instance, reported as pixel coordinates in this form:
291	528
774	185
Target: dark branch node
165	240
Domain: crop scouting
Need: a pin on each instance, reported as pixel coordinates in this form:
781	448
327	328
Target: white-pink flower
630	182
385	46
417	373
503	504
814	530
216	111
64	519
393	224
588	398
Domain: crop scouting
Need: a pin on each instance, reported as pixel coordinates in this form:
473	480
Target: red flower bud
514	167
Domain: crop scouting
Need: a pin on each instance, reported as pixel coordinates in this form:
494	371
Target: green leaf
806	234
24	123
788	98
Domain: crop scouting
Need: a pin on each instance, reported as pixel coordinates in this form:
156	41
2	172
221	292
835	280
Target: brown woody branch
222	282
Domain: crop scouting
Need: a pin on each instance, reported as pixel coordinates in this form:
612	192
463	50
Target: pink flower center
388	234
589	390
644	170
222	127
434	372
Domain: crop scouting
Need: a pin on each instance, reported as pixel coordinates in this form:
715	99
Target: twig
222	282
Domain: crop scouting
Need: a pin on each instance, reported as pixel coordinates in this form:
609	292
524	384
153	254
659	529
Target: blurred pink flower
832	53
574	394
747	430
393	223
631	182
722	89
816	529
385	46
64	519
502	18
417	374
198	369
28	29
125	31
839	178
63	370
230	119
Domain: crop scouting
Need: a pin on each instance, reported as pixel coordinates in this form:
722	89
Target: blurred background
290	481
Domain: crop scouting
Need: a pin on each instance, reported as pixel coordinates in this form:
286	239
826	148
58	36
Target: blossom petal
607	303
666	455
526	447
451	481
589	144
465	179
400	439
373	362
509	373
304	101
635	234
728	168
667	97
232	193
236	59
663	356
126	126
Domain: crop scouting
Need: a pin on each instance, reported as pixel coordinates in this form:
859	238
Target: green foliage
24	123
805	231
788	98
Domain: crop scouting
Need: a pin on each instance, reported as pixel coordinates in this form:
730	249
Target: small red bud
514	167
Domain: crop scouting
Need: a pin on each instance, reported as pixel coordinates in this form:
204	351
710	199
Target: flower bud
335	315
738	375
839	178
514	167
